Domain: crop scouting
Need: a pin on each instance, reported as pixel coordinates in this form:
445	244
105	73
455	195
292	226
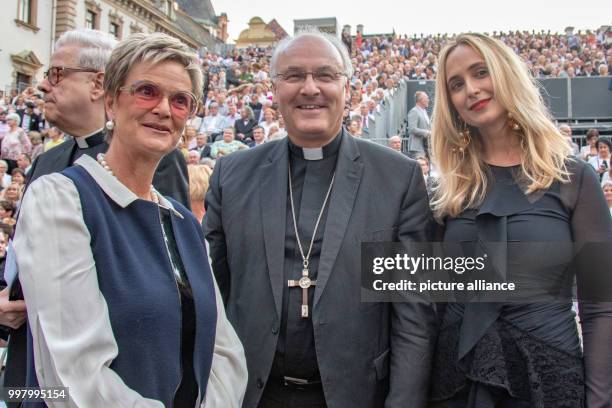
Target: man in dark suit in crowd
395	143
244	126
202	147
29	119
285	222
418	126
259	137
74	102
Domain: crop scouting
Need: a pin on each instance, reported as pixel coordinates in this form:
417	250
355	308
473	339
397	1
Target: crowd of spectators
587	53
239	111
239	90
24	134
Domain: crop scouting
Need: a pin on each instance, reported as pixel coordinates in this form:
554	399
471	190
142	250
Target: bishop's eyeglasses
323	76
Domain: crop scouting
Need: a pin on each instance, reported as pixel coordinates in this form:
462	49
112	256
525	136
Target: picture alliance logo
411	264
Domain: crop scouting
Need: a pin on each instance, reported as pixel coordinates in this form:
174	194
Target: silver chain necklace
305	282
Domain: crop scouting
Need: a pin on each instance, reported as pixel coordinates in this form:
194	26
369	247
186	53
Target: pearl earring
110	125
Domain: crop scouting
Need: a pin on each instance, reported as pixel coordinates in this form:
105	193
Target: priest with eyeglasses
285	222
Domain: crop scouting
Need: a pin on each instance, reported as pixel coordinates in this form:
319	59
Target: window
115	25
23	81
92	14
114	30
170	8
91	19
26	13
24	10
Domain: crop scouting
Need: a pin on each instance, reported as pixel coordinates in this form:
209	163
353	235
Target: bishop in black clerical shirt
312	171
318	345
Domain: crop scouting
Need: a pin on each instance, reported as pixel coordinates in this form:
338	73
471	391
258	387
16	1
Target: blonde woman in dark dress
507	176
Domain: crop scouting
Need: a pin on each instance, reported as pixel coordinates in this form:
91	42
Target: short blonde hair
463	178
152	48
199	175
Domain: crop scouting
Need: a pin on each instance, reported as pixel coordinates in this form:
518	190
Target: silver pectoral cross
305	282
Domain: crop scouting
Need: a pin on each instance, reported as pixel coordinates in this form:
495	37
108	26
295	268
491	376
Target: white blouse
68	315
597	161
267	127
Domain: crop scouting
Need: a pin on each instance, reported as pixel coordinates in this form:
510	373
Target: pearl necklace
100	158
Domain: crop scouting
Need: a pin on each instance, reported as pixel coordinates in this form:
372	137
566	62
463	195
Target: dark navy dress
528	354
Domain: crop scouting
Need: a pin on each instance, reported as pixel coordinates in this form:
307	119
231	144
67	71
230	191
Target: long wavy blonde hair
463	178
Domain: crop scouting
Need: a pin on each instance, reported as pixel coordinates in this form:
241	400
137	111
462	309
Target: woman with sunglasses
123	306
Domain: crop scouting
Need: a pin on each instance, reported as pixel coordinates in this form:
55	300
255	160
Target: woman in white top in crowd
590	150
601	162
5	178
269	121
14	142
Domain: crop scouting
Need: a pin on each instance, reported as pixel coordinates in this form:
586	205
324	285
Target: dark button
274	330
260	383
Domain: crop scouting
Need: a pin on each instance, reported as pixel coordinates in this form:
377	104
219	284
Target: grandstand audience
590	149
199	176
607	189
5	177
227	145
18	176
14	142
601	162
12	193
55	137
566	131
239	93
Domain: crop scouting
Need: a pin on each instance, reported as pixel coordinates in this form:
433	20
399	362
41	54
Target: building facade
28	29
257	35
328	25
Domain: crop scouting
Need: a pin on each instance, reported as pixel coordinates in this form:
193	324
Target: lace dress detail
509	358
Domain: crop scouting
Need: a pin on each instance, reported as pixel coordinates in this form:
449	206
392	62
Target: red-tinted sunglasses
148	95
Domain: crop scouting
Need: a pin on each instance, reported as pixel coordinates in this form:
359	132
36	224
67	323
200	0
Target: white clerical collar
316	153
82	140
312	153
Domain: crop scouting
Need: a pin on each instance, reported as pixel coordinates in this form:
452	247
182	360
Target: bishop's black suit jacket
370	355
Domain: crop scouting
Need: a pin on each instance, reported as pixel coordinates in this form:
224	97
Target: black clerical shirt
90	145
295	352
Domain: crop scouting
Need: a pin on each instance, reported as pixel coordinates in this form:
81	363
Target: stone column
65	17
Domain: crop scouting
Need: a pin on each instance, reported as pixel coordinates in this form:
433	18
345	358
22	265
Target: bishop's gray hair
338	45
95	47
